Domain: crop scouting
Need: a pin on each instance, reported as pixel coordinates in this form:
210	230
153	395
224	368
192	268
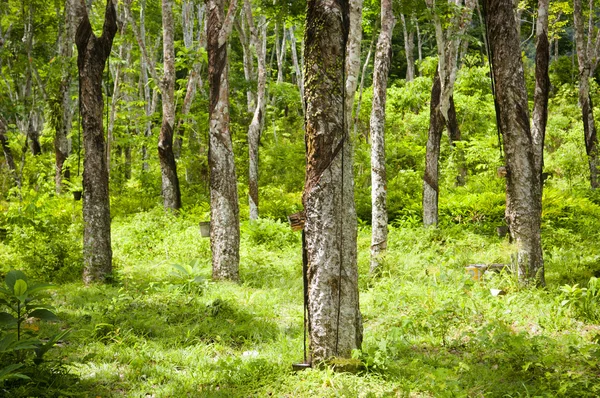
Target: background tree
377	123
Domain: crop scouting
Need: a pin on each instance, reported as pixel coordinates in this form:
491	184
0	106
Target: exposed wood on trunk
224	211
335	325
379	219
92	54
587	57
168	167
523	185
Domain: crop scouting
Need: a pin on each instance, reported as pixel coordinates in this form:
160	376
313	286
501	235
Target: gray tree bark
523	185
259	42
224	211
586	52
432	155
379	217
409	49
361	88
299	77
92	54
168	167
10	162
335	325
542	88
353	56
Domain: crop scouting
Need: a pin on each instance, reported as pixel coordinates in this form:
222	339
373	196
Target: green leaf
12	277
43	314
6	318
39	287
8	372
20	288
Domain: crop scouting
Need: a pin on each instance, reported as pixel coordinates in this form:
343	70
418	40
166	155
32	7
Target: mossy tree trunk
335	326
92	54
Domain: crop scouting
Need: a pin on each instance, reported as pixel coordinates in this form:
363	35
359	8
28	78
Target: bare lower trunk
432	154
225	227
523	188
378	171
335	325
93	51
585	51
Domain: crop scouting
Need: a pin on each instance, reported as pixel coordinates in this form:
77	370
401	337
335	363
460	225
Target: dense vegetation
161	327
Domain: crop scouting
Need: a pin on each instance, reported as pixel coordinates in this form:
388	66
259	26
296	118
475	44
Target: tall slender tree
92	54
523	185
588	57
224	210
378	170
335	325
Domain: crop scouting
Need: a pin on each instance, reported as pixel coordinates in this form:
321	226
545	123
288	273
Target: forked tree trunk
585	51
224	211
523	186
335	325
432	155
259	42
378	171
92	54
168	167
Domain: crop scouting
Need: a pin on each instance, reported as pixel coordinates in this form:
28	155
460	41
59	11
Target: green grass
429	331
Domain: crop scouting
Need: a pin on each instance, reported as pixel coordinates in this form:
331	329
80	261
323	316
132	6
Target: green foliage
585	302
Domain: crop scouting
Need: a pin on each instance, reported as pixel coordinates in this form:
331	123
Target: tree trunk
432	155
241	27
225	223
523	187
280	52
361	87
378	172
92	54
168	167
542	88
409	48
584	52
353	56
10	162
335	325
259	41
299	77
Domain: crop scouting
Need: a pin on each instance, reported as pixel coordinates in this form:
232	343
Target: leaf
20	288
43	314
6	318
12	277
41	286
181	270
7	372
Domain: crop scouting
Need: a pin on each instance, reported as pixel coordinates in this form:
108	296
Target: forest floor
164	329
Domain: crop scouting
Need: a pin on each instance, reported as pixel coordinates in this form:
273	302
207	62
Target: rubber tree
334	320
92	54
588	56
377	125
224	210
523	185
448	35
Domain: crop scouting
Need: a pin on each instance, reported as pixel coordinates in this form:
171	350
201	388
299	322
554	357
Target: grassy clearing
168	331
